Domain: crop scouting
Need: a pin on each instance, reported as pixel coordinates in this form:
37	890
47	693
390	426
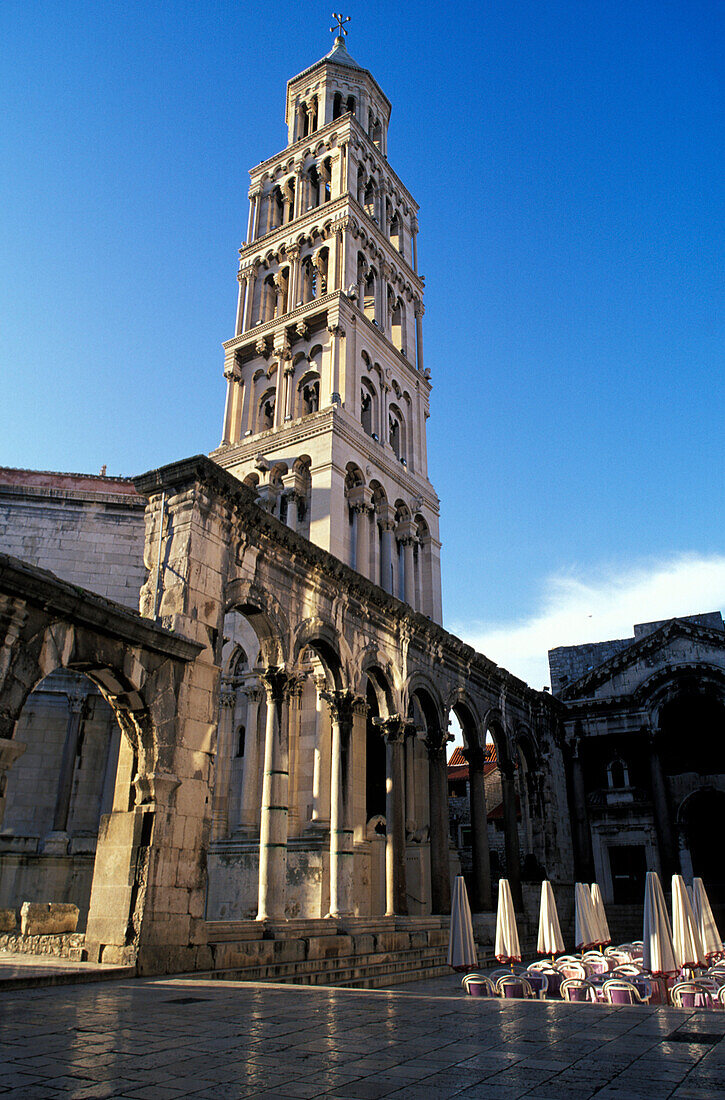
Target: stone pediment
677	645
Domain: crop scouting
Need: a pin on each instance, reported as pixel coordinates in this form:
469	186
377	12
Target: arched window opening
266	411
241	734
397	326
395	239
376	133
360	185
313	187
326	181
366	410
337	106
305	120
311	397
369	199
617	774
369	295
350	105
269	298
396	432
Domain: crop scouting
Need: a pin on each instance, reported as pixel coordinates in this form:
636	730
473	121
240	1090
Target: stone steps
361	971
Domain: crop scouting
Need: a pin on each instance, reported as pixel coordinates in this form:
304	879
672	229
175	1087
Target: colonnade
389	550
271	759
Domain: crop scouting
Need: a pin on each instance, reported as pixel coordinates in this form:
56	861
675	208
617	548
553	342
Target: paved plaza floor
162	1038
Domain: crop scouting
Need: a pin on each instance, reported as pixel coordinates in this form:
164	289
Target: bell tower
327	396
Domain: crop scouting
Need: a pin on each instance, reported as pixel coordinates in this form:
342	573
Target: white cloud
575	607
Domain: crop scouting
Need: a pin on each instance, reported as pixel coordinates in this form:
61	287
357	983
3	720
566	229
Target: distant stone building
645	754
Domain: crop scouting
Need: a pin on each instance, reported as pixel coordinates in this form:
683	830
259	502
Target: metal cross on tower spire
340	28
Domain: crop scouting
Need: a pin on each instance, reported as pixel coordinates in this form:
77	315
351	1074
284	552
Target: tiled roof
458	760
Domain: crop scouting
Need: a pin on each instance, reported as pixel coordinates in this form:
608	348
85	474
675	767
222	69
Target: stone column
320	809
479	828
256	208
250	774
419	311
342	705
295	719
414	242
298	191
660	803
387	526
289	373
225	735
362	538
239	326
405	533
76	711
511	832
249	304
275	793
440	878
336	334
393	730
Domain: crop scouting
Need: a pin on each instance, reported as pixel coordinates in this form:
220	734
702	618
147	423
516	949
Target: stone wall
87	530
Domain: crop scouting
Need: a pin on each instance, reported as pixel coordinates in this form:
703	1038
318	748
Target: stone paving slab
167	1038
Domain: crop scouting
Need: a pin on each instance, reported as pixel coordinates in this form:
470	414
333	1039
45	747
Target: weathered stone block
8	920
47	918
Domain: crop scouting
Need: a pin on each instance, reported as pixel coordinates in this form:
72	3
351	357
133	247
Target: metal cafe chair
619	992
578	989
478	985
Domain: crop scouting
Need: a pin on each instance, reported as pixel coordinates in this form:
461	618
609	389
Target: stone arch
324	640
266	617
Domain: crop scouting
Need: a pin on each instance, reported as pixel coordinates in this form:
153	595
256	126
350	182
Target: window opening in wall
337	106
268	413
394	434
366	411
350	105
369	297
369	200
617	774
241	733
310	398
395	232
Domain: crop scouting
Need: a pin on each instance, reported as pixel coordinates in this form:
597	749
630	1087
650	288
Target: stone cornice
332	211
295	433
41	588
290	151
253	334
38	492
320	566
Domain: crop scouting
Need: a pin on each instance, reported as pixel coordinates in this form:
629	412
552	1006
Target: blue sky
568	160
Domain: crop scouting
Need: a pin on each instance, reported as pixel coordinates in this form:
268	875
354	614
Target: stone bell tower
327	395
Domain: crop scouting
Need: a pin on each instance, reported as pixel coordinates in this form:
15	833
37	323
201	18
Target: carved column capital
395	728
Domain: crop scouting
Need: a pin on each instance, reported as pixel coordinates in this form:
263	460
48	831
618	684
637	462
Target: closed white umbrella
586	932
685	934
659	954
600	914
462	953
709	936
507	949
550	941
